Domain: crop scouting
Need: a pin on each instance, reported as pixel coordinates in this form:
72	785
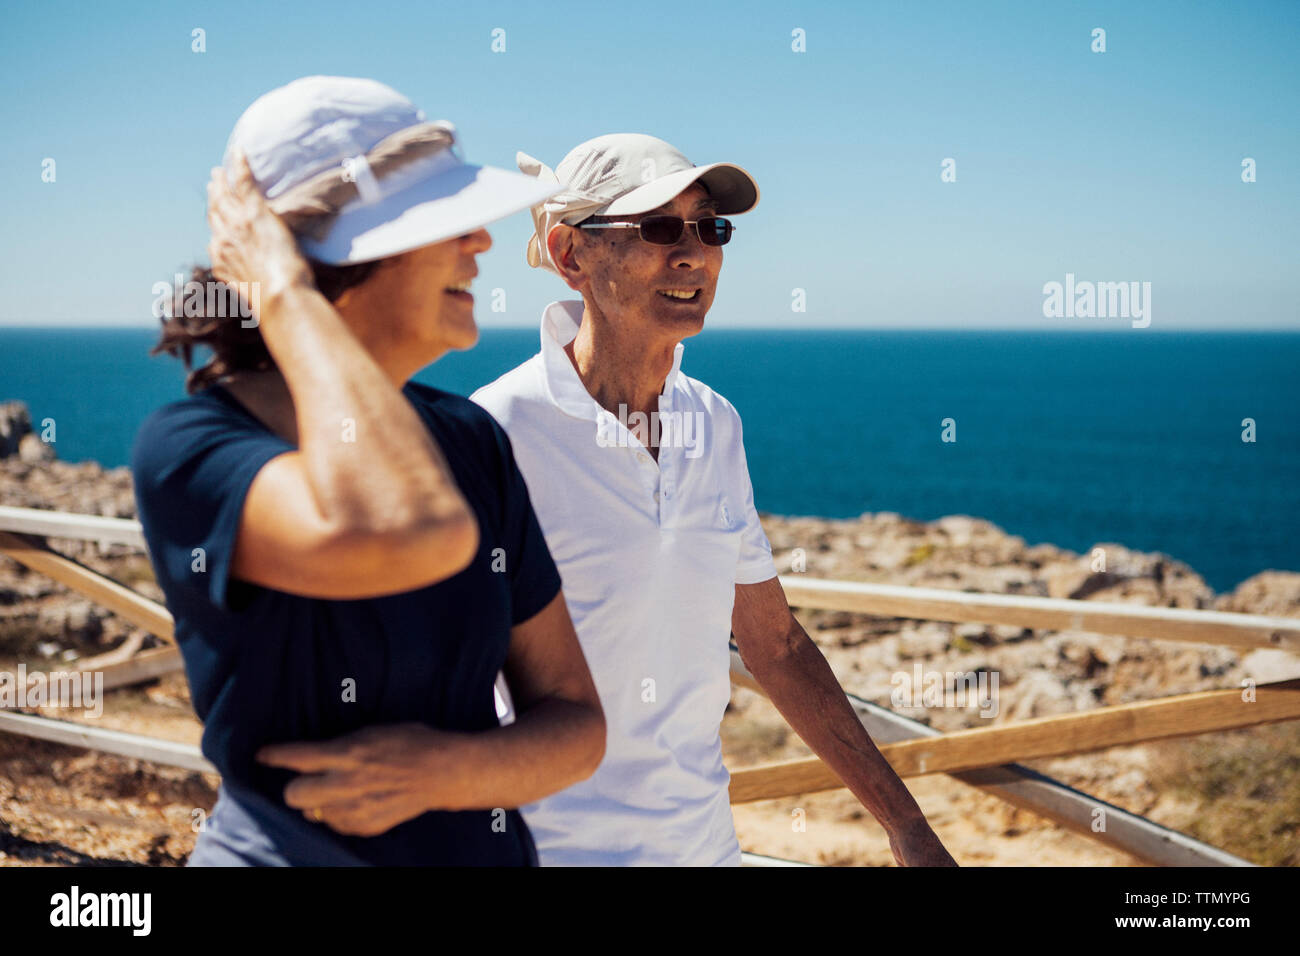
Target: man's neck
618	372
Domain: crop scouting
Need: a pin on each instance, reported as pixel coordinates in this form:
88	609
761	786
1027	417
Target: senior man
637	473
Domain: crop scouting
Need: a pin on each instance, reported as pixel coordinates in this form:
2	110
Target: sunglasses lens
661	230
715	231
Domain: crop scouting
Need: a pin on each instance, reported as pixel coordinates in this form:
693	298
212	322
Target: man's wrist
905	823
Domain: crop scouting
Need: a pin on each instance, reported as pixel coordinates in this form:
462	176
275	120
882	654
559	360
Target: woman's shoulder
208	404
178	429
454	411
467	429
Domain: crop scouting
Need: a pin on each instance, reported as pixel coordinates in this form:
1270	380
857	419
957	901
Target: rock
73	618
1267	665
1064	581
925	640
1084	658
891	556
24	585
1113	573
995	580
1031	588
1109	648
1041	554
829	620
1275	593
1039	694
959	529
15	422
1091	583
32	449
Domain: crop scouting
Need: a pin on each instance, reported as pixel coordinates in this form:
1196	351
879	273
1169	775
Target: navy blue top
266	666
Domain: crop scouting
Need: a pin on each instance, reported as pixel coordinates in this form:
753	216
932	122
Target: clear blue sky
1115	166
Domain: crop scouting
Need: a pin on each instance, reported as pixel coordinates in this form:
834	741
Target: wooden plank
123	652
935	604
59	524
127	664
1020	786
1081	813
169	752
1096	617
147	614
1179	716
146	665
118	598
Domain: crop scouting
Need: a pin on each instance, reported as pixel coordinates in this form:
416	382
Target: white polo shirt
650	554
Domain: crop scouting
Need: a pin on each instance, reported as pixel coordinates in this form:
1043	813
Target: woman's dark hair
214	320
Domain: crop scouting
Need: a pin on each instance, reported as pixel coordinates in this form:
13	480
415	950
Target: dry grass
1245	785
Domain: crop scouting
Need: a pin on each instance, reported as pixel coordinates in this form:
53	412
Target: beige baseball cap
622	174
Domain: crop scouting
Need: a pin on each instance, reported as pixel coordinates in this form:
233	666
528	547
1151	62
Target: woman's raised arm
377	514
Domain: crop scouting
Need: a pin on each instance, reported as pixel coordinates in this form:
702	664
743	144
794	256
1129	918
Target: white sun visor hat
623	174
333	128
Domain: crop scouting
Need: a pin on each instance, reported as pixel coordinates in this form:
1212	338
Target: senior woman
352	558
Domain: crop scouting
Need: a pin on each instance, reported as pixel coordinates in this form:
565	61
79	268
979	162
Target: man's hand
915	844
367	782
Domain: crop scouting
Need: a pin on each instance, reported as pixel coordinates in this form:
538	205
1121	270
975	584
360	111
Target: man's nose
688	249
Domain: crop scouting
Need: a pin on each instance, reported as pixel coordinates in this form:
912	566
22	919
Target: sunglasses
667	230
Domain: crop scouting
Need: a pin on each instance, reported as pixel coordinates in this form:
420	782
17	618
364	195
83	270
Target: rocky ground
1238	790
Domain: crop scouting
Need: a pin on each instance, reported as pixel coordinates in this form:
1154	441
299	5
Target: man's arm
794	674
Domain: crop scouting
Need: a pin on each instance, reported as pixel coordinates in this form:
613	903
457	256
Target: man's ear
564	246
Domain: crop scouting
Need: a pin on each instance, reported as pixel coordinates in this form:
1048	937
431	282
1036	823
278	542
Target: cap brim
730	186
450	204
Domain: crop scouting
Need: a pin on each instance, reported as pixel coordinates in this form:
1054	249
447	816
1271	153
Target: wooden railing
983	758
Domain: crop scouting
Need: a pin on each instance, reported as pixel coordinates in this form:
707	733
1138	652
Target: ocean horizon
1066	437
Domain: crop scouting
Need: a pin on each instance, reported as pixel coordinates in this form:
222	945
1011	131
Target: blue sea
1069	438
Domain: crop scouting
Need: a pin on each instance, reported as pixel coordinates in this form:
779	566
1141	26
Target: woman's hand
367	782
250	243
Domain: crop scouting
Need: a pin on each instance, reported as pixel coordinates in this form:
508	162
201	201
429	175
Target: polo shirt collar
560	322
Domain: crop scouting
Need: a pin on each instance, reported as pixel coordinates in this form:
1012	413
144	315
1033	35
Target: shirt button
656	496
